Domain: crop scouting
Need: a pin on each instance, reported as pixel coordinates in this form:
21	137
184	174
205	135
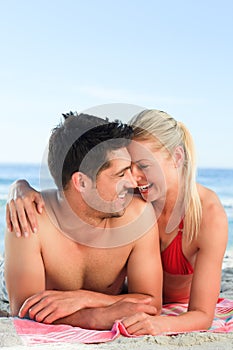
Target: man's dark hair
82	143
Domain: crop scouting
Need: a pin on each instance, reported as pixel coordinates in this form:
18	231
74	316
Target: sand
202	341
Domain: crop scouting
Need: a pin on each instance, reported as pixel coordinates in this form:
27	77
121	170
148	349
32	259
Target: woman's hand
23	201
141	324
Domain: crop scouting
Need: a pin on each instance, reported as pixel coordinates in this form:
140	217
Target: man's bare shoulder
139	216
56	208
138	206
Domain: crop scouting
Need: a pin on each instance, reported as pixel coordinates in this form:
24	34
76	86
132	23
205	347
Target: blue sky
66	55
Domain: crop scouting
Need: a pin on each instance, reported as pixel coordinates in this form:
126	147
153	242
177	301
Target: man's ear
178	156
80	181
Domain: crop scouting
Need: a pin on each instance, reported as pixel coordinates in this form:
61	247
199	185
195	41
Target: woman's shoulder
212	208
207	196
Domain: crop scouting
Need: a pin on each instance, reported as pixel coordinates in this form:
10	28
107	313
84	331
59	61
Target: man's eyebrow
123	169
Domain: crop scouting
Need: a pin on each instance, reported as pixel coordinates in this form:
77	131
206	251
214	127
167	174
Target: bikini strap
181	226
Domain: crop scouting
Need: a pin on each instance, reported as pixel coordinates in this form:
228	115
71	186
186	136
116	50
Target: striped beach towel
32	332
223	319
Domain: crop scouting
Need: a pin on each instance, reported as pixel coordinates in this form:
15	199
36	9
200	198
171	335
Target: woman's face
151	169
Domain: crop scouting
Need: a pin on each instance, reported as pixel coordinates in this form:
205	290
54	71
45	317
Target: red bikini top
173	259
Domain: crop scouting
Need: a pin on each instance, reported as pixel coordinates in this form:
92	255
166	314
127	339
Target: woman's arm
212	242
23	201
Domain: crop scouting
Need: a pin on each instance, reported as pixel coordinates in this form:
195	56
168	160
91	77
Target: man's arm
144	269
103	318
24	269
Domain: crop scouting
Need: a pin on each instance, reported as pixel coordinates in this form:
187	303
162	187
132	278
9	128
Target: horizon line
35	163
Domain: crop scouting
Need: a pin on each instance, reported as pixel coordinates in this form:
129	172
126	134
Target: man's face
109	193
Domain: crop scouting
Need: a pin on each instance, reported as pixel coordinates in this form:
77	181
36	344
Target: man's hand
104	318
50	305
20	208
75	308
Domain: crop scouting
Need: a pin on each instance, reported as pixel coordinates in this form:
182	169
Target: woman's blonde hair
168	134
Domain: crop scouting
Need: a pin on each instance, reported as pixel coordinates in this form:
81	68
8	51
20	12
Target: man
91	236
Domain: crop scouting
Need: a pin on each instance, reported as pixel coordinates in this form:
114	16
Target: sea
219	180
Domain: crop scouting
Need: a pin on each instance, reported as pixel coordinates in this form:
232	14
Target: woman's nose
136	172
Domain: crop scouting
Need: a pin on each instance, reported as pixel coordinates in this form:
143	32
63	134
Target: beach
197	340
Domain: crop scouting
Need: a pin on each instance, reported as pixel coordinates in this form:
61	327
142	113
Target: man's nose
131	180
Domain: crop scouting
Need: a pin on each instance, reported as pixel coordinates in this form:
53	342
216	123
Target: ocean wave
229	211
3	200
227	202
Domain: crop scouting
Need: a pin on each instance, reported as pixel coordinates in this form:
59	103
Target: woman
192	223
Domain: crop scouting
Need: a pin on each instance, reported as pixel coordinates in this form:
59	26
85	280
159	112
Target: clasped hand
49	306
